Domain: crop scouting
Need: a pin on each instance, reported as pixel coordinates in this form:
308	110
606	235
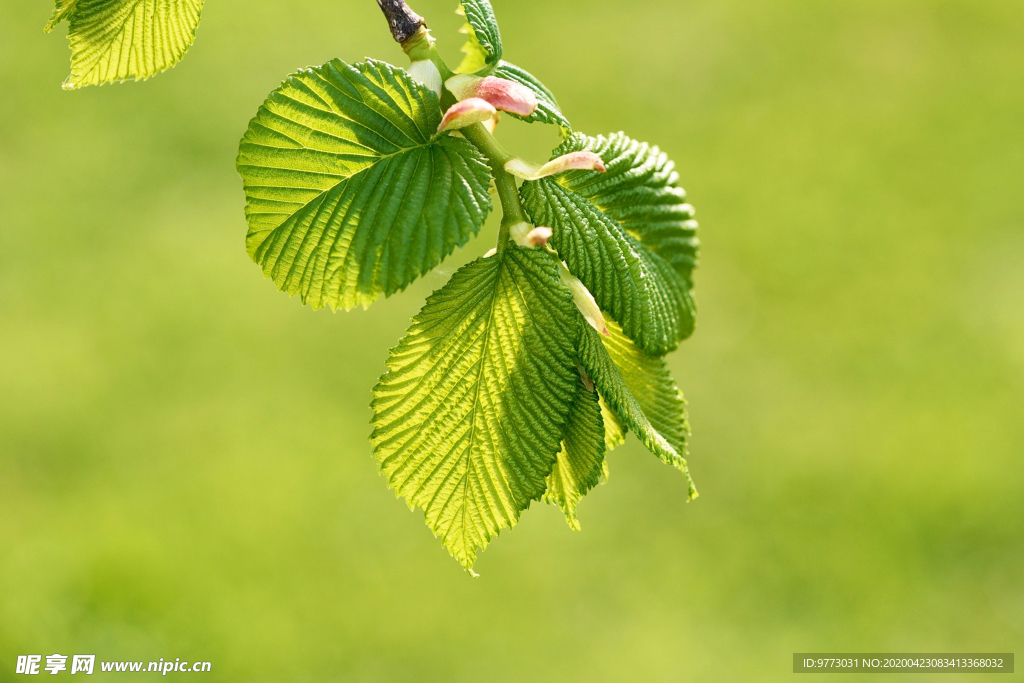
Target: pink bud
504	94
538	237
466	113
574	161
525	235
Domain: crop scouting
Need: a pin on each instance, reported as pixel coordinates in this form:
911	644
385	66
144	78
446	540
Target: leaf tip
692	493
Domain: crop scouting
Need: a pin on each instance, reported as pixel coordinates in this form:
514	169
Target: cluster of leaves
531	363
501	393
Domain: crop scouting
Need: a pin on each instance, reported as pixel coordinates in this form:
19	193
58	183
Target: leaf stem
504	181
409	29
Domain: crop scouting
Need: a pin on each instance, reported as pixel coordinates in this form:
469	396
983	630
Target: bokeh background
184	465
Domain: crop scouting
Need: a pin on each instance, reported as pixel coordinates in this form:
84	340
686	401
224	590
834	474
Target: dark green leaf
640	192
483	47
351	194
638	288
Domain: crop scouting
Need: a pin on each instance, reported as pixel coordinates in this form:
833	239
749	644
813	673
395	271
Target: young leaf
614	432
640	191
650	382
498	92
580	463
469	416
117	40
483	47
547	110
638	288
615	391
350	193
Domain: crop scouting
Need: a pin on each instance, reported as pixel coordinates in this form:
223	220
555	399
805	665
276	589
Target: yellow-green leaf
614	389
469	417
118	40
580	463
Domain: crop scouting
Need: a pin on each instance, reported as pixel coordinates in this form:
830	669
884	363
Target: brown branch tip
403	22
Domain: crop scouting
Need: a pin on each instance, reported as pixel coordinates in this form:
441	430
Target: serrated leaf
631	283
547	109
580	462
475	57
614	432
615	391
650	382
118	40
350	193
483	47
60	12
641	192
469	416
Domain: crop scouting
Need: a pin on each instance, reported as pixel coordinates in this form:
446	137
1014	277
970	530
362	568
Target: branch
403	22
504	182
409	29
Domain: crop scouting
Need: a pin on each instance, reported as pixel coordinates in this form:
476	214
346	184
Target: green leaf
350	193
638	288
640	192
61	12
117	40
469	417
650	382
614	432
547	109
483	47
616	393
580	463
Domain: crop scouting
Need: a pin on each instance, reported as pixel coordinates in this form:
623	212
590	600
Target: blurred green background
184	464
